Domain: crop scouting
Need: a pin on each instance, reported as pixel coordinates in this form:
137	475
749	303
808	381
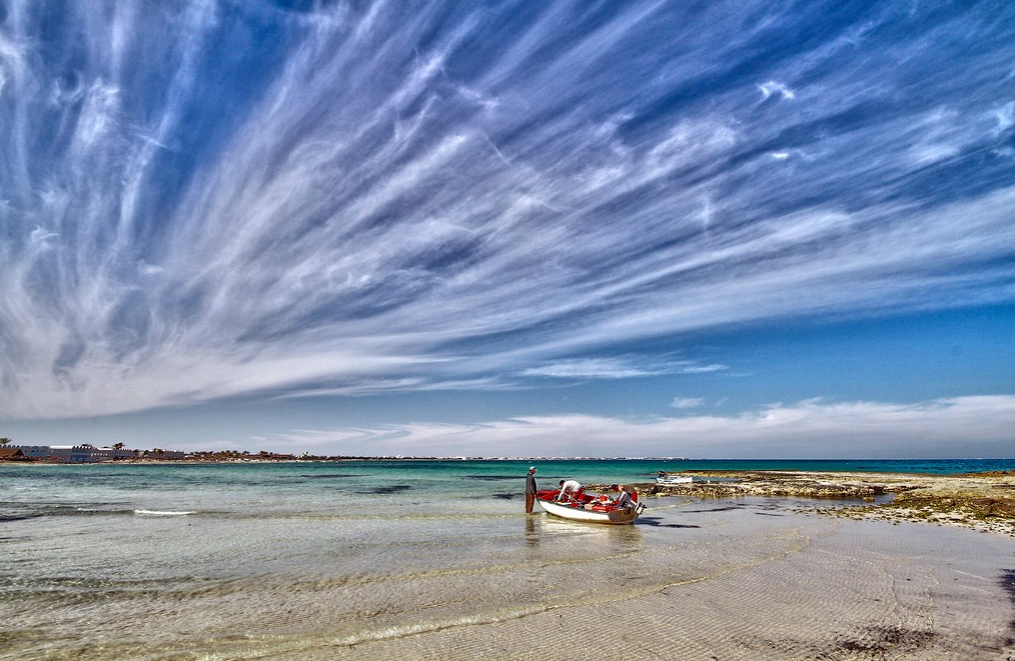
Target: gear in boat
597	508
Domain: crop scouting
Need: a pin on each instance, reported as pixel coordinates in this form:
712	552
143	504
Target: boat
665	479
588	508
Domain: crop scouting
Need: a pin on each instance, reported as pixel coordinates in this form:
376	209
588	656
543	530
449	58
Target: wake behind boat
585	507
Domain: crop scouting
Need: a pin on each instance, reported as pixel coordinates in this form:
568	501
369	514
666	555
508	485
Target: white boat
674	479
587	508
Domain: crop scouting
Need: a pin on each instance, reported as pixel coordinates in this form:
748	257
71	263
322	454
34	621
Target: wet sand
757	579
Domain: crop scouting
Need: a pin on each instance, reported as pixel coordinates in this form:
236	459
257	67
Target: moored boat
588	508
663	478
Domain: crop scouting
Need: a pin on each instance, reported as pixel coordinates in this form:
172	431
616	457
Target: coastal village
81	454
86	453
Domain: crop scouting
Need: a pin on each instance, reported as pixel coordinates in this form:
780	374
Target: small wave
162	513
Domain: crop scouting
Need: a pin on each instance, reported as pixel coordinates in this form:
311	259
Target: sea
312	560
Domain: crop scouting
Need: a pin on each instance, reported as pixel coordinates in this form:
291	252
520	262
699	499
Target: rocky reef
983	501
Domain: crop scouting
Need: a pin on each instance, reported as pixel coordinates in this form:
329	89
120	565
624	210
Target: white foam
161	513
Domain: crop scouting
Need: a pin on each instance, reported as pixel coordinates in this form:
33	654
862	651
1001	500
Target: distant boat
588	508
665	479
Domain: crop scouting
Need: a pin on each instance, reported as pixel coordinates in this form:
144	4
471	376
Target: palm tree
4	440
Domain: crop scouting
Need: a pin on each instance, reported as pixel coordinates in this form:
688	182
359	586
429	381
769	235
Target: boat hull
674	479
579	513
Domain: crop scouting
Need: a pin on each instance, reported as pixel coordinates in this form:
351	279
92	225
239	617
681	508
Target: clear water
297	560
383	487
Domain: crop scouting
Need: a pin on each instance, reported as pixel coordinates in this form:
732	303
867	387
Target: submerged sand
762	582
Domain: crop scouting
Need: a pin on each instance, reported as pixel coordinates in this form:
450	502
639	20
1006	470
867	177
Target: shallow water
321	561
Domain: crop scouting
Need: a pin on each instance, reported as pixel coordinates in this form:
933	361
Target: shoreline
981	501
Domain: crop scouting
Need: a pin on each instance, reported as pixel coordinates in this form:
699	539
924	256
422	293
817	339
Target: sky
743	229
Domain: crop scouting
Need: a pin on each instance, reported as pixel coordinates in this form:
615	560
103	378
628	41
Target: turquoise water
319	487
290	560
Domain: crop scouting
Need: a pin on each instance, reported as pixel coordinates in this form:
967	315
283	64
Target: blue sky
716	229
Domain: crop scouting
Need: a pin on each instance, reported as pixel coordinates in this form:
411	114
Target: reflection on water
531	531
589	538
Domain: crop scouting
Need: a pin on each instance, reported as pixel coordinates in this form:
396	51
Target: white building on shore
32	451
83	454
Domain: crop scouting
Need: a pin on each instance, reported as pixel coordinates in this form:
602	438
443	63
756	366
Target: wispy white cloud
962	426
703	369
366	210
1005	116
772	87
607	368
618	367
686	402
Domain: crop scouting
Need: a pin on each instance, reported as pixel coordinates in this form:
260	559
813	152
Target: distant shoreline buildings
86	453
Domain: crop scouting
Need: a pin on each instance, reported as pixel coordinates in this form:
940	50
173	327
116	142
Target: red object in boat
585	507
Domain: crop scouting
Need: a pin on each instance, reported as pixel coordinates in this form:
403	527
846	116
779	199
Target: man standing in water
530	489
